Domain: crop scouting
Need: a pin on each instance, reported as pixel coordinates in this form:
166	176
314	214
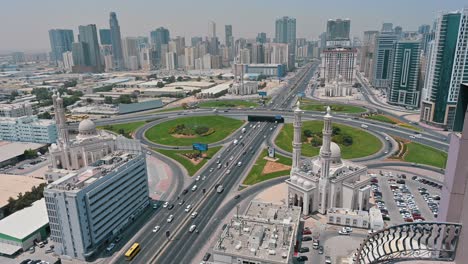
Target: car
303	250
198	178
184	192
166	204
211	169
194	214
203	178
194	188
328	260
315	244
188	208
348	229
192	228
306	238
343	233
302	258
169	207
149	152
387	138
170	218
320	250
155	206
307	232
237	196
228	171
26	261
156	229
110	247
239	164
206	257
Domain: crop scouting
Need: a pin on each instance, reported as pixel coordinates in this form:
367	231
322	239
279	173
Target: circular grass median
354	142
187	130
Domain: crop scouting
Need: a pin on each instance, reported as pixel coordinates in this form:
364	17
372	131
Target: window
348	221
330	219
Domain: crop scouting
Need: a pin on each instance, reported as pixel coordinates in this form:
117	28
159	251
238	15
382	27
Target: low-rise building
244	88
91	206
216	91
269	70
371	219
15	110
266	233
28	129
12	152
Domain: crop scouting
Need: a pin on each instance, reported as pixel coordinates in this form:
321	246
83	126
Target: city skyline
193	18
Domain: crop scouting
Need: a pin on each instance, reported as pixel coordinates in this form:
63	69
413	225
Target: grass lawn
228	103
123	129
422	154
364	144
382	118
255	174
312	105
222	126
184	161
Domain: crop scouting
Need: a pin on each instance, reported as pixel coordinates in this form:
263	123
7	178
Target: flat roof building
15	110
19	230
266	233
28	129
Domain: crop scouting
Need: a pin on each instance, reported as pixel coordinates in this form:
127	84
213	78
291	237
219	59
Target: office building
88	36
338	65
18	57
60	41
105	36
338	32
28	129
266	233
383	54
398	31
130	53
285	32
78	53
367	52
91	206
116	42
261	38
228	34
387	27
195	41
404	86
159	37
446	69
423	29
171	60
106	53
325	181
15	110
68	61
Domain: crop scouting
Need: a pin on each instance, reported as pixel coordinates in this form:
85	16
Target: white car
188	208
203	178
211	169
194	188
156	229
228	171
239	164
198	178
110	247
149	152
165	204
194	214
412	137
231	158
192	228
387	138
170	218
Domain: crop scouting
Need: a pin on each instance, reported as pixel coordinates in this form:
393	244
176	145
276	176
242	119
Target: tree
308	133
29	154
13	95
45	115
121	131
89	100
108	100
172	79
160	84
71	83
184	105
336	130
179	79
124	99
198	79
201	130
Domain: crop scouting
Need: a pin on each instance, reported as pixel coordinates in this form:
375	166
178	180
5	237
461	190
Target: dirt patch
183	136
271	167
195	161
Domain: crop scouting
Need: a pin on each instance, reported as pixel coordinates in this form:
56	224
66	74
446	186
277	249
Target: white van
194	188
364	126
192	228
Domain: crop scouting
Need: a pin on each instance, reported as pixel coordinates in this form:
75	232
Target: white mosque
89	146
325	181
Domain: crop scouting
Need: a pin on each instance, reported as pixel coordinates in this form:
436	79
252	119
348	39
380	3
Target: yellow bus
131	253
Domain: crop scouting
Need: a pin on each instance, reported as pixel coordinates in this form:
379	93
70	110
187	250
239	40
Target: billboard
261	93
200	146
300	94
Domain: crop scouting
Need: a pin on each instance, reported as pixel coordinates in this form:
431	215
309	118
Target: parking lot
37	253
405	198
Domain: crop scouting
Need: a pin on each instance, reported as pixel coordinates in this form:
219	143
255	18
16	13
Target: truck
220	189
243	130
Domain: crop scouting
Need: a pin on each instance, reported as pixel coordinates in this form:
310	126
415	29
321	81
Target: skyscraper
60	41
159	37
405	74
367	52
383	55
424	29
446	69
105	36
211	29
338	29
88	36
261	38
116	42
285	32
228	33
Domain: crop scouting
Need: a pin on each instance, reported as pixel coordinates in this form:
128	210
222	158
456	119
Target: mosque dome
335	151
87	127
307	184
300	181
294	179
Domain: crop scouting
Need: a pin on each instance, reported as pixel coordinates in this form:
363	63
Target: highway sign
200	146
261	93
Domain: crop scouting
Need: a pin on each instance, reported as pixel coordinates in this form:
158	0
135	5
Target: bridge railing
411	241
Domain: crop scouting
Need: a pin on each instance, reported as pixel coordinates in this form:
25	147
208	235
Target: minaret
297	143
60	119
325	153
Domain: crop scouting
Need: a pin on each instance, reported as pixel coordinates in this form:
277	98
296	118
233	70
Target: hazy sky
24	23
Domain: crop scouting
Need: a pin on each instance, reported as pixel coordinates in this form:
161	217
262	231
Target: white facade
88	207
28	129
190	57
171	61
325	181
68	61
15	110
339	63
244	88
346	217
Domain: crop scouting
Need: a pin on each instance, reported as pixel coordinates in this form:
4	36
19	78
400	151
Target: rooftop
14	149
265	233
77	180
12	185
218	88
24	222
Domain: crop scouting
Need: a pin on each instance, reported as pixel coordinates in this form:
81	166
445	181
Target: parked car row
428	182
431	200
405	202
377	193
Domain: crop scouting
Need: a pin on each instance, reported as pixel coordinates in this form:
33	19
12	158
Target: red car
409	220
307	232
374	180
418	217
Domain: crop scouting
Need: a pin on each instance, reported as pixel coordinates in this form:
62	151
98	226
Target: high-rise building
403	88
88	36
285	32
338	32
171	61
261	38
228	34
426	38
387	27
211	29
105	36
398	31
423	29
130	52
79	54
195	41
338	62
68	61
446	69
116	42
367	52
60	41
159	37
382	62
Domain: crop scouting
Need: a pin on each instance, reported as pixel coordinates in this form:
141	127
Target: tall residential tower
116	42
